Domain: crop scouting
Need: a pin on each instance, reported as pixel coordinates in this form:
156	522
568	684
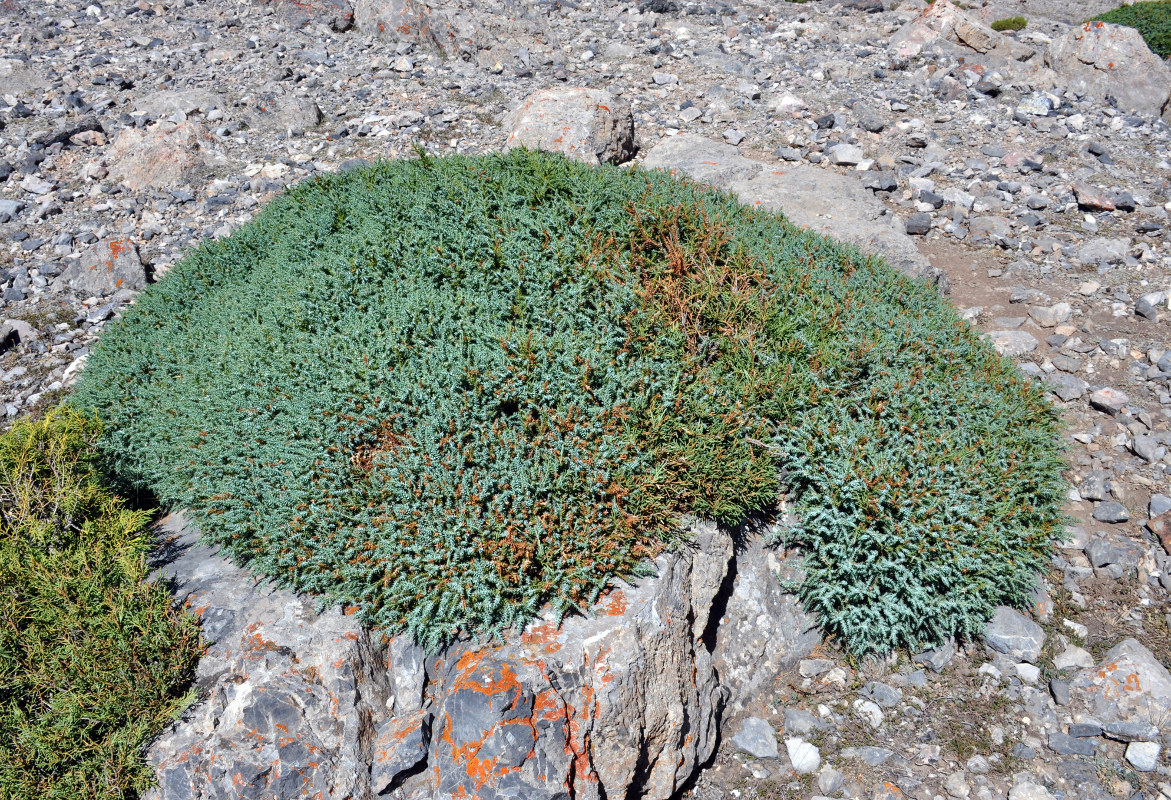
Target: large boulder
822	200
624	702
590	125
166	156
485	31
1103	60
943	21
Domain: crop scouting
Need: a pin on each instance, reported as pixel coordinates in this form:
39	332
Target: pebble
1143	756
1013	634
757	738
805	757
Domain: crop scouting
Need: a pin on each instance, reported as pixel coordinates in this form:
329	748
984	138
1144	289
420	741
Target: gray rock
1107	251
1035	105
1148	448
1065	386
1014	634
1107	550
825	201
1067	745
1060	690
919	224
166	157
1143	756
1028	790
830	780
1013	343
165	104
757	738
1094	486
938	657
1132	731
1051	316
589	125
589	703
1101	59
1160	504
105	268
283	112
846	155
874	756
1111	511
1127	685
870	118
801	722
338	15
885	696
1085	730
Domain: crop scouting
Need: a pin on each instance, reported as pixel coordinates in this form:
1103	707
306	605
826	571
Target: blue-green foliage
451	391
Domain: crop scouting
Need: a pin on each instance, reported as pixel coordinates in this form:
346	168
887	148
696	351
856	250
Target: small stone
757	738
812	667
1060	691
919	224
664	78
1066	745
1092	199
1052	316
1135	731
1014	634
846	155
830	781
805	758
1085	730
869	711
1029	791
1160	504
873	756
1109	400
733	137
1111	511
1148	448
1028	673
1073	656
885	696
957	786
801	722
1143	756
1013	343
937	658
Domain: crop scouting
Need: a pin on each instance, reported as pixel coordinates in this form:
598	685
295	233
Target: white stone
1143	756
805	757
870	712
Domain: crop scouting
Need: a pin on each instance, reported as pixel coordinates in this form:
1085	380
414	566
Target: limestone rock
165	156
945	21
589	125
826	202
1128	685
297	703
338	15
283	112
1105	60
108	266
1012	633
163	104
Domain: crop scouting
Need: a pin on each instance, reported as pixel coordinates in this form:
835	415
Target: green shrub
93	660
1151	20
451	391
1010	24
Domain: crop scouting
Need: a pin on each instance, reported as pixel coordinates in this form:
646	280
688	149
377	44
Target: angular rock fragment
589	125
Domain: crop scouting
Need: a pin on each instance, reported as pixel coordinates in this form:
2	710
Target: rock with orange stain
399	746
944	21
107	267
485	31
1104	60
1129	685
589	125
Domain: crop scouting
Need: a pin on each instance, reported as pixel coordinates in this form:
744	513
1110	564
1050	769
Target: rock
1148	448
1106	550
1109	400
1066	745
937	658
589	125
1035	105
104	268
885	696
957	785
1160	504
1014	634
1051	316
591	703
1073	656
870	711
1161	527
165	104
1103	251
1090	198
947	22
1132	731
1029	791
872	756
830	780
989	228
1143	756
825	201
1128	685
1067	387
801	722
1101	59
1013	343
764	631
1111	511
918	224
805	758
846	155
664	78
281	112
482	31
162	158
757	738
338	15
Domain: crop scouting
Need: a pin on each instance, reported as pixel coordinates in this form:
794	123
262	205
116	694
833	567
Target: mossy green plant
1010	24
94	659
451	391
1151	19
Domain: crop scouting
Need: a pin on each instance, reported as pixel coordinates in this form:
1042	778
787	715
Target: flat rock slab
818	199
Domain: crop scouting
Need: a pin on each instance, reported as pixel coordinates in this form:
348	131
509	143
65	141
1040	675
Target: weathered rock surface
165	156
105	268
944	21
1128	685
1104	60
589	125
810	198
625	702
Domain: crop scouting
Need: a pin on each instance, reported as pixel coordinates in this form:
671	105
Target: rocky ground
1034	179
